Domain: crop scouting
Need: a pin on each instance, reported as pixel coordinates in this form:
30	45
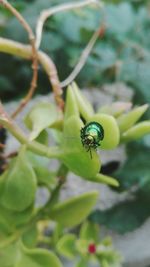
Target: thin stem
60	8
34	57
24	51
14	129
84	56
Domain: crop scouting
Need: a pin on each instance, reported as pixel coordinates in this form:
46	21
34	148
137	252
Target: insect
91	135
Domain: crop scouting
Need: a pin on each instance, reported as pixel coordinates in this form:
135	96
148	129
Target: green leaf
120	24
134	173
74	155
43	138
101	178
43	174
9	220
38	258
66	246
126	121
124	217
71	107
111	130
40	117
85	108
137	131
89	231
82	246
9	255
30	236
136	166
20	184
73	211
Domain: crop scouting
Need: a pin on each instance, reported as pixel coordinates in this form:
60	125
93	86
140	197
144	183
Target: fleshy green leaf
89	231
38	258
84	105
9	220
101	178
20	184
71	107
40	117
82	246
111	130
73	211
66	246
9	255
40	166
126	121
29	237
137	131
74	155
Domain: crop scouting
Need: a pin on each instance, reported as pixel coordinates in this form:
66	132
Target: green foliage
126	40
46	114
135	173
19	176
88	248
73	211
122	55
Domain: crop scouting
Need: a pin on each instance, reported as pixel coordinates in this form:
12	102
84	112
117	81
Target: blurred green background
122	55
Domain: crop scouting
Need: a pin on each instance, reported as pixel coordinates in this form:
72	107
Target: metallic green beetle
91	135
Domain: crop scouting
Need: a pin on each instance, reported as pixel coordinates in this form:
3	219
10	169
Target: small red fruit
92	248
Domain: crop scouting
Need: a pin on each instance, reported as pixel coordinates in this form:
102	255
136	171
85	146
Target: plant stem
5	121
24	51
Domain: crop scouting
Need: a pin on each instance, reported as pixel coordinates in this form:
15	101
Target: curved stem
5	121
45	14
25	51
34	57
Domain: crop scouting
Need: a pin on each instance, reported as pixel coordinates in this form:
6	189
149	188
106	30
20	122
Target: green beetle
91	135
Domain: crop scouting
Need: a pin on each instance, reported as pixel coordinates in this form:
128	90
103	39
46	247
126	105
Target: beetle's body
91	135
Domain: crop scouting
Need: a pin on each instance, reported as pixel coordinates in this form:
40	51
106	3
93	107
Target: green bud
127	120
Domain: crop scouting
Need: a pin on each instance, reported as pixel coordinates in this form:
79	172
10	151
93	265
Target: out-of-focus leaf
123	217
89	231
40	117
136	166
37	258
127	120
20	184
137	131
73	211
66	246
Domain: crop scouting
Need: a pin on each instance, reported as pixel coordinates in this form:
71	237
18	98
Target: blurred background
120	57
